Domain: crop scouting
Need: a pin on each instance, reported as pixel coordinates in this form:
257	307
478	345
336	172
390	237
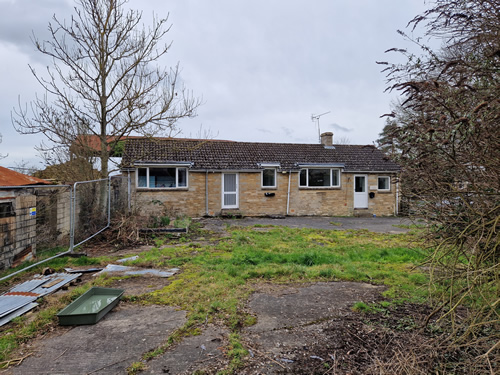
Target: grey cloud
21	19
341	128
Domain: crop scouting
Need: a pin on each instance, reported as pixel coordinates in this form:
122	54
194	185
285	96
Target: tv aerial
316	118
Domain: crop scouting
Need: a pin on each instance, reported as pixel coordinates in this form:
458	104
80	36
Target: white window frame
388	184
332	171
176	187
262	179
236	192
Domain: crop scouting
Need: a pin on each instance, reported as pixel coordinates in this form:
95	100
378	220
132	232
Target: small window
162	178
384	183
320	177
6	209
269	178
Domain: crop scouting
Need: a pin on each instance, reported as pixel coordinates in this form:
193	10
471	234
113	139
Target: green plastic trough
90	307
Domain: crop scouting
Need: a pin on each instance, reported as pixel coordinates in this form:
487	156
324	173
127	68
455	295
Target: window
312	177
384	183
6	209
269	178
163	178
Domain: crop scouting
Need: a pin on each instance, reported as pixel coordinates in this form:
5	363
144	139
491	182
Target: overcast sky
262	67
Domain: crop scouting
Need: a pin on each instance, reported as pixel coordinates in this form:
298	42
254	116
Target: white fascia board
269	165
373	172
321	165
210	170
164	164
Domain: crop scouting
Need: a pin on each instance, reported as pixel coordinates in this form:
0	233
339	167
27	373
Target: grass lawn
216	279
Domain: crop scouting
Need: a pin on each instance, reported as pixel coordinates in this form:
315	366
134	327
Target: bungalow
212	177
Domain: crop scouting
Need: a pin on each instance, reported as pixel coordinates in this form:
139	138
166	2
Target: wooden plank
52	283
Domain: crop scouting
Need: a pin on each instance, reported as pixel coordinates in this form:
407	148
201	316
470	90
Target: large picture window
269	178
162	178
319	177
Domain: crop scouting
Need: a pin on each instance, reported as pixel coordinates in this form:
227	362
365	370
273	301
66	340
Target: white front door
229	190
361	191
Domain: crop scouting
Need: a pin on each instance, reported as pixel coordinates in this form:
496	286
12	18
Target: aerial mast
316	118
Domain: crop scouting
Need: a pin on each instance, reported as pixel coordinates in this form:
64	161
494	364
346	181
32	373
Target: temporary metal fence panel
91	210
34	219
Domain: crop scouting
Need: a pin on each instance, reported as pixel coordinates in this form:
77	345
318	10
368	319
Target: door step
362	212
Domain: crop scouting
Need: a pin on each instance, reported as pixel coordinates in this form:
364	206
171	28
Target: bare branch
105	79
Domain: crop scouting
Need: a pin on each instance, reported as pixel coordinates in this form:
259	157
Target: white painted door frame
360	191
230	188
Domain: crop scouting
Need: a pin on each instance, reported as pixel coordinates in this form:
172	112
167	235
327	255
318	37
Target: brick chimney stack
327	139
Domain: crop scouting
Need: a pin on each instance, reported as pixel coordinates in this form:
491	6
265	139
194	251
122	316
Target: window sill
162	189
269	188
320	188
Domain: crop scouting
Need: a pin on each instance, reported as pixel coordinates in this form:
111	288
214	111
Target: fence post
109	201
129	193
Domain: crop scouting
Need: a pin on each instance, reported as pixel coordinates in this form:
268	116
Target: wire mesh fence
91	208
36	219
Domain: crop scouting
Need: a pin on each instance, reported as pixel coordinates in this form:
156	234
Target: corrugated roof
8	177
223	155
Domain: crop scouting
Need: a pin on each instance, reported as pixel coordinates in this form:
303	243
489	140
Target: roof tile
226	155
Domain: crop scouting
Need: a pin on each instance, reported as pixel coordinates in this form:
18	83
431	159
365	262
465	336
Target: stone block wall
253	201
18	233
384	203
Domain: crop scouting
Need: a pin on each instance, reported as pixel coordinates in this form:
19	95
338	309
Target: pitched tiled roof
8	177
226	155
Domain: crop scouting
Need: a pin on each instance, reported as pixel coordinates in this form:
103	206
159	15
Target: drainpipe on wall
206	193
288	195
396	209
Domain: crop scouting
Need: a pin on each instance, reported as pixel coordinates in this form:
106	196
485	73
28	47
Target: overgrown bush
445	132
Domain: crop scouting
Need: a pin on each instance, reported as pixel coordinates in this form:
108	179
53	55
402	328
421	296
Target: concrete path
108	347
373	224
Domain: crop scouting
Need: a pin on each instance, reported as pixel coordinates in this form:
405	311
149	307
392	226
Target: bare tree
447	133
343	141
104	81
2	156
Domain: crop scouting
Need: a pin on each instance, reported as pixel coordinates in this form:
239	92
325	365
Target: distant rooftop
8	177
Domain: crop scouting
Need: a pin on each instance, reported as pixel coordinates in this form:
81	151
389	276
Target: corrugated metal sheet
65	278
9	303
28	286
7	318
139	271
20	296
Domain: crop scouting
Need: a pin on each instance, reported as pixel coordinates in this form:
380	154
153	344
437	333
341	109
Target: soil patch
137	285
